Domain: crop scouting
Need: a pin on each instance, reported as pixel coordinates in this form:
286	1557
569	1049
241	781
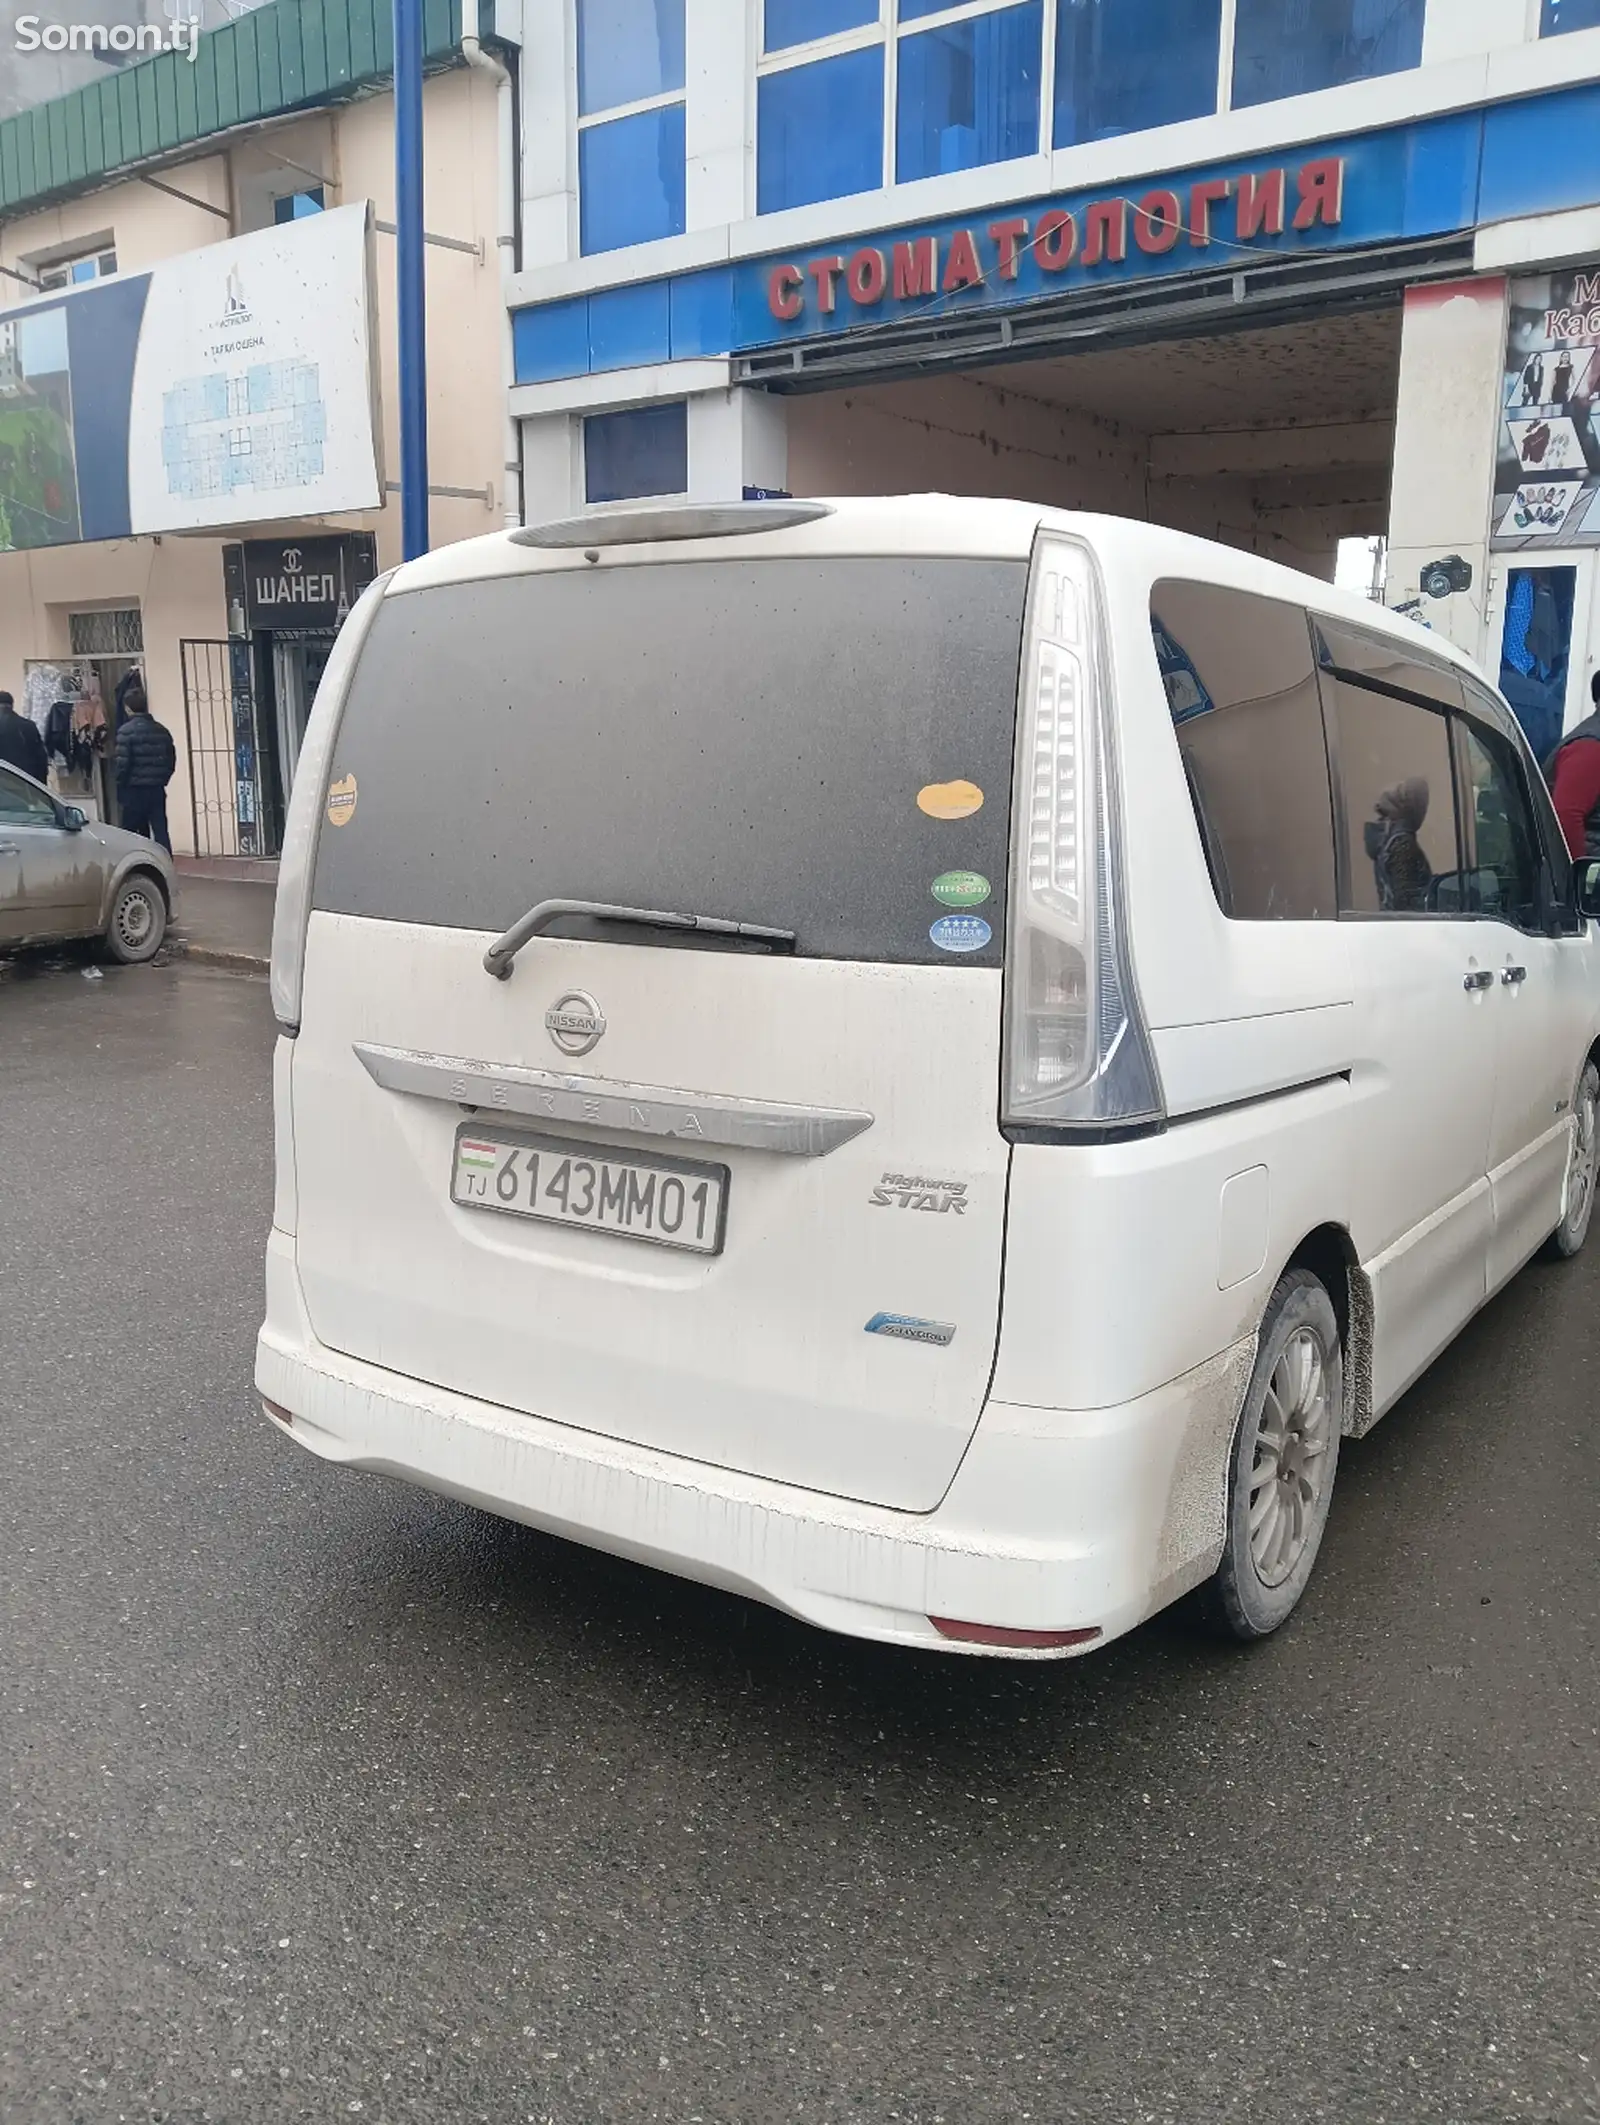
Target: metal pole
412	304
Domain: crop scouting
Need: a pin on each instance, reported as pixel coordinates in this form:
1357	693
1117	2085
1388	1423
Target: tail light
1078	1057
298	861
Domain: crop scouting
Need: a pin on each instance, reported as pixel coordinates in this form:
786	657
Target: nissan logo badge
574	1022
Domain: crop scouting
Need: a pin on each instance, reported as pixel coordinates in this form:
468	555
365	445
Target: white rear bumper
1056	1519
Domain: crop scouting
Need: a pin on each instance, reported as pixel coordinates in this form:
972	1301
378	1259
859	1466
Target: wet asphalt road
326	1799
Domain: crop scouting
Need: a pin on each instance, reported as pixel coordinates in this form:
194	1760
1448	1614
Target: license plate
600	1187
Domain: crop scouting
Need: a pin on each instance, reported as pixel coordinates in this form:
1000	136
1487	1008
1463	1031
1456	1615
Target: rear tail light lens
1018	1641
1077	1054
298	861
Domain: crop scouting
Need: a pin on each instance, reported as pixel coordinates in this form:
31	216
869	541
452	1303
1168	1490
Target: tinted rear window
793	743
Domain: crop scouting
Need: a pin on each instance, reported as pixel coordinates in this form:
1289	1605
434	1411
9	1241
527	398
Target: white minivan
922	1060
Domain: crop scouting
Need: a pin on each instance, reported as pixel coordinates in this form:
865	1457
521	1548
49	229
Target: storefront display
1547	476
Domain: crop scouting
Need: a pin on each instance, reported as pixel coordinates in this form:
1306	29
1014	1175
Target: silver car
63	876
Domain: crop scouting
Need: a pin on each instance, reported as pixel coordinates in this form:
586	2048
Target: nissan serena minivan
923	1060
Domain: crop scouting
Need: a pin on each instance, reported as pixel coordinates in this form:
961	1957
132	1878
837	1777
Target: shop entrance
245	706
296	664
1278	438
1550	642
247	700
231	810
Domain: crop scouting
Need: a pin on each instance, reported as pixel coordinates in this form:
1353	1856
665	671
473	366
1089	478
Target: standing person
146	760
1403	872
20	742
1574	773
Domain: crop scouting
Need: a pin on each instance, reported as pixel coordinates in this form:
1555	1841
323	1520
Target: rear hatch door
771	1182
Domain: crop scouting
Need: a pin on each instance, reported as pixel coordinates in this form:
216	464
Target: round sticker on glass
960	933
949	800
341	801
960	889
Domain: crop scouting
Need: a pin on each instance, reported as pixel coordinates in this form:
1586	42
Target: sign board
299	585
1547	475
1387	186
230	385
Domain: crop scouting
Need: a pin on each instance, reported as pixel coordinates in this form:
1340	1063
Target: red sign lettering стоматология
911	269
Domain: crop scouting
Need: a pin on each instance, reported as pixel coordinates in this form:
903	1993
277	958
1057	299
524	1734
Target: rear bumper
1056	1520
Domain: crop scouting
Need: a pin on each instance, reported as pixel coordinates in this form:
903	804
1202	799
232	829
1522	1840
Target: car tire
1583	1169
1282	1467
136	928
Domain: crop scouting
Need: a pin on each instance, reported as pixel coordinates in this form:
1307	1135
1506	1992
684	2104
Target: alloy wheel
1290	1468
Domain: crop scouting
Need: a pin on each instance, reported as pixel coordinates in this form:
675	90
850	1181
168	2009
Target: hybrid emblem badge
574	1022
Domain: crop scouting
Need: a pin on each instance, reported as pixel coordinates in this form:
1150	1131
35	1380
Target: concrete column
549	174
1462	29
719	81
737	439
551	468
1452	356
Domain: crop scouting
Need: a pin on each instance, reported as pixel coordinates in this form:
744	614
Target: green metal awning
288	56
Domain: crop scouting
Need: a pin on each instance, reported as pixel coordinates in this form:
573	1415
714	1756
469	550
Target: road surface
326	1799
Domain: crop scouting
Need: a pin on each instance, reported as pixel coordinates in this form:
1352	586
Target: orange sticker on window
341	801
949	800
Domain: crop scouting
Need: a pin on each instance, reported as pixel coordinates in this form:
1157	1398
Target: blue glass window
295	206
642	451
969	93
819	130
1121	68
799	21
628	50
630	179
1562	15
1289	47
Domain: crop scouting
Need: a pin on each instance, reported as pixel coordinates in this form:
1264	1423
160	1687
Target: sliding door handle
1513	975
1483	979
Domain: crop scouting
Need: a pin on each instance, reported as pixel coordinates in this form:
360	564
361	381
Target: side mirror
72	819
1586	887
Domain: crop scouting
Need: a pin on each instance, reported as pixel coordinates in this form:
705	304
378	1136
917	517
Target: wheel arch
135	864
1330	1254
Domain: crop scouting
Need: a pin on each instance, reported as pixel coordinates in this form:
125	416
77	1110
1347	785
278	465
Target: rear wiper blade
500	955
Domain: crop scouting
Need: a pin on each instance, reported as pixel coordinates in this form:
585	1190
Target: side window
1397	797
22	806
1549	842
1242	688
1500	855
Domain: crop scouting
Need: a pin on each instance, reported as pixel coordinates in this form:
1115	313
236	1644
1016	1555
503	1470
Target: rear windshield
818	746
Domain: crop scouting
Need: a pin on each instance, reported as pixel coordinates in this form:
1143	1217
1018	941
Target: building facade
1282	272
198	389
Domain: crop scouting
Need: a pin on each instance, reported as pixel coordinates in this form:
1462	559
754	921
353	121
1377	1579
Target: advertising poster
1547	477
228	386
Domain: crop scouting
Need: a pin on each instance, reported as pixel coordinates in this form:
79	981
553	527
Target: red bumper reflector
273	1410
1024	1641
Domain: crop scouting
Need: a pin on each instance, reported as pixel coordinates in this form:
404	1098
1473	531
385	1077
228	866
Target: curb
212	955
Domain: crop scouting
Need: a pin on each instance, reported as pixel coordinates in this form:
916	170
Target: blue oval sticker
960	933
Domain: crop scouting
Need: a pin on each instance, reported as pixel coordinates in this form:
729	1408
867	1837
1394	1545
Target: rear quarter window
1241	685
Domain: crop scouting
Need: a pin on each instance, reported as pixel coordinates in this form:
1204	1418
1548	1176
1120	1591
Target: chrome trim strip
606	1102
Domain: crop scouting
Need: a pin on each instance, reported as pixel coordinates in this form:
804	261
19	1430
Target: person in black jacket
146	760
20	742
